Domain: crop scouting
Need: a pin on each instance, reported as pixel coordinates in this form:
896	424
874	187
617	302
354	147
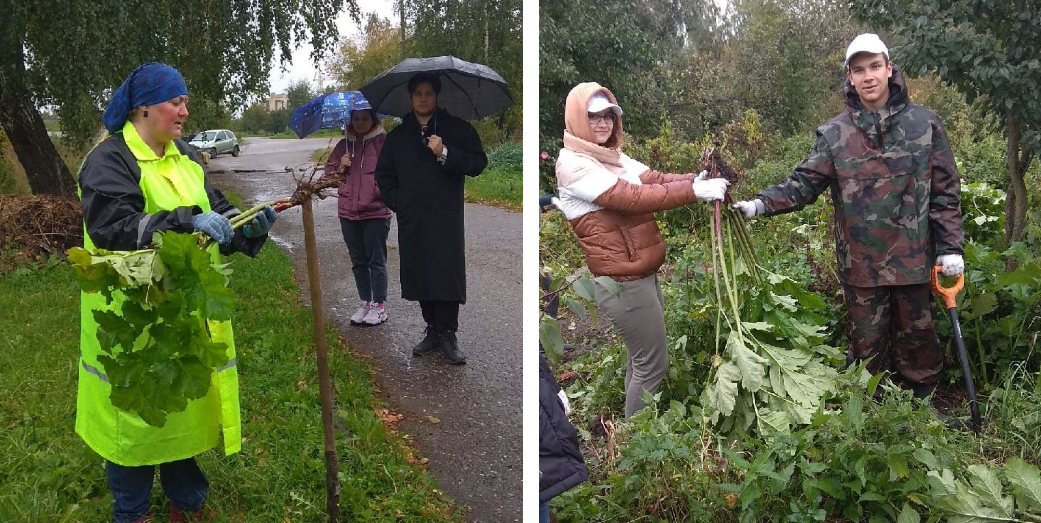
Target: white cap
599	101
865	43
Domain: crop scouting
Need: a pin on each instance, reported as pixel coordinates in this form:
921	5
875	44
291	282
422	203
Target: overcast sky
302	68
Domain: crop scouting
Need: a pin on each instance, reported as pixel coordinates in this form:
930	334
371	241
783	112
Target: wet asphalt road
466	419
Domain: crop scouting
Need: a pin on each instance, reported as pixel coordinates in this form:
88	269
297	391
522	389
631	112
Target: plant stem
246	217
747	247
715	276
731	289
983	357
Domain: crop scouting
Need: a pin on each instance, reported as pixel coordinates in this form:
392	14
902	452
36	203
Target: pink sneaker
359	315
377	314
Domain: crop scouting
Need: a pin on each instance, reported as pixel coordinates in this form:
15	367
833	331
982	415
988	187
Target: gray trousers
367	245
638	314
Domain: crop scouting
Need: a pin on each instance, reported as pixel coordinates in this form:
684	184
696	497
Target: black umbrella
468	90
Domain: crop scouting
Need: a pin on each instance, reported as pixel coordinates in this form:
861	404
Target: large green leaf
584	287
609	284
114	331
551	339
908	515
164	300
576	307
961	504
987	485
1026	484
722	393
979	305
751	365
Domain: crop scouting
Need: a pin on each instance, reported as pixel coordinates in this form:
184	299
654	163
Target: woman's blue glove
214	225
261	224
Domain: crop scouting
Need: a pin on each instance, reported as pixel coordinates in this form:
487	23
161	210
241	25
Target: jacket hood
897	92
576	118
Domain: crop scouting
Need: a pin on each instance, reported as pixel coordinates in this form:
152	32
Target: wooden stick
332	483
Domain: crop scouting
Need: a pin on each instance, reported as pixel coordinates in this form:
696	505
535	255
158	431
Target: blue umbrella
329	111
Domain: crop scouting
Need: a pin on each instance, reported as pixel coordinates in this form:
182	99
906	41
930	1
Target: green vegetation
321	133
758	418
152	371
482	31
49	475
321	155
815	449
500	183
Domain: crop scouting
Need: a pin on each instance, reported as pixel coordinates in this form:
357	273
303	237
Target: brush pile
35	226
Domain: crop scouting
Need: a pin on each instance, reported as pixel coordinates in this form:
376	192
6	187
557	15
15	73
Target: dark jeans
183	482
367	244
444	315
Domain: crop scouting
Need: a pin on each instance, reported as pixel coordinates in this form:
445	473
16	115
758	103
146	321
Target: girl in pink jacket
364	219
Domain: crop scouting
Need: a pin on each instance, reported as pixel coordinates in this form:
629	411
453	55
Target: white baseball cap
865	43
599	101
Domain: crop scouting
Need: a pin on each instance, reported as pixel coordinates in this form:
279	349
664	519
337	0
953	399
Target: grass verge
321	133
49	474
498	186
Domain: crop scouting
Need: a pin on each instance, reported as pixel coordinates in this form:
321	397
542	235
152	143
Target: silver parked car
216	141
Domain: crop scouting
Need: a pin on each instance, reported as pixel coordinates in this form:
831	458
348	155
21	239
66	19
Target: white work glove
710	190
750	208
703	175
953	264
563	399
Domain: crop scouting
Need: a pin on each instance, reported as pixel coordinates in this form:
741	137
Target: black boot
430	342
921	391
450	347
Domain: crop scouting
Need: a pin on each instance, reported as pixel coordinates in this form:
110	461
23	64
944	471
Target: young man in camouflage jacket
895	189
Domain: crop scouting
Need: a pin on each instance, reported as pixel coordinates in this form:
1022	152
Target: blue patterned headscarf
149	84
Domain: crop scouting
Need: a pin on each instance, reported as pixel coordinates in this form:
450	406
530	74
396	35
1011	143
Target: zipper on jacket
878	130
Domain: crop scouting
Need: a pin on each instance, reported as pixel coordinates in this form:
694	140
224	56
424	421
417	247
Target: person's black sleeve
465	153
387	175
114	207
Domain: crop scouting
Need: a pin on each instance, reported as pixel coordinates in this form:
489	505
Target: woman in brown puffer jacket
609	199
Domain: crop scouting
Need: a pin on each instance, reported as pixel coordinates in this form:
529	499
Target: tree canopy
687	65
481	31
989	49
71	55
360	60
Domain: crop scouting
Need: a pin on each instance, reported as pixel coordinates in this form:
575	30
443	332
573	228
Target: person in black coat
420	175
561	465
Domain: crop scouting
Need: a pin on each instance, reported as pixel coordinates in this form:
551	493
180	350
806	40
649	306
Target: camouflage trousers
896	326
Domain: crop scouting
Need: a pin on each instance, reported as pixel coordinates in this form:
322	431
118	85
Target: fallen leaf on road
390	419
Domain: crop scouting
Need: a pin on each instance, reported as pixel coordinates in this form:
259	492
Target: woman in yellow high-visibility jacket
141	180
